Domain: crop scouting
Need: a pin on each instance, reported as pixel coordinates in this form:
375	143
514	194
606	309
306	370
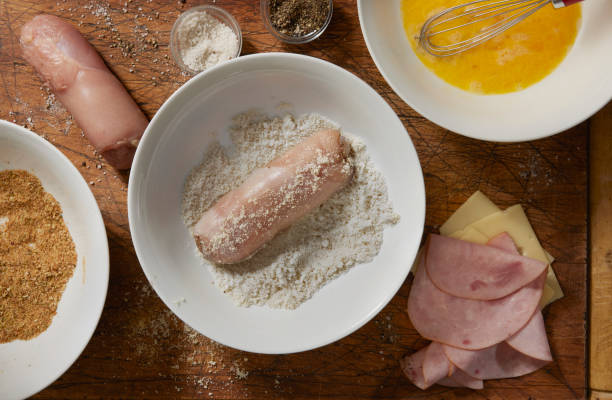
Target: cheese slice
479	220
476	207
470	234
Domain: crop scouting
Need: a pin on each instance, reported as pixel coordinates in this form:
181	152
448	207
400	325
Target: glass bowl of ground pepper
297	21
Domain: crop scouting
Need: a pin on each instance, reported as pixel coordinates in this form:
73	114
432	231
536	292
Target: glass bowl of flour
203	37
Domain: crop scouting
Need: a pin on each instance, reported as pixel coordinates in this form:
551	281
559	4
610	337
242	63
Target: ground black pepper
298	17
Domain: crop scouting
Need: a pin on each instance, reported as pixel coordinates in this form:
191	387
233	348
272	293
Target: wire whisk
495	16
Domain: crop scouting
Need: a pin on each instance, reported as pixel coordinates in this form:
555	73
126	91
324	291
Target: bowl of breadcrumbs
53	262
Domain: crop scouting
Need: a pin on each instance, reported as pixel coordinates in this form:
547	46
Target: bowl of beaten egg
543	76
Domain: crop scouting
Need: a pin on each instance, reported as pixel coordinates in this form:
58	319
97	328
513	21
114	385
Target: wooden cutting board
140	350
601	255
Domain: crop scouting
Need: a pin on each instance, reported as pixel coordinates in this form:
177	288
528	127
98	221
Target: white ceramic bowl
27	367
175	142
579	87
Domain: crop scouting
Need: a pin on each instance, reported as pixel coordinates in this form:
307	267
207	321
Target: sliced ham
532	340
412	366
460	379
473	339
475	271
427	366
436	365
495	362
466	323
430	365
503	241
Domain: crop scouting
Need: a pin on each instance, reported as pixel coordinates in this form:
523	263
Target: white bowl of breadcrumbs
53	263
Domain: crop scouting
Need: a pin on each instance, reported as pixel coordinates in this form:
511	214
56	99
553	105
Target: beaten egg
512	61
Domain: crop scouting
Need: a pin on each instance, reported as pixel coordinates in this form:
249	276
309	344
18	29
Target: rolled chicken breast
76	73
274	197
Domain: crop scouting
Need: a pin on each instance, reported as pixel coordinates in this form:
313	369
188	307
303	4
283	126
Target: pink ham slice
459	378
466	323
430	365
532	340
495	362
473	271
522	353
503	241
427	366
412	366
436	365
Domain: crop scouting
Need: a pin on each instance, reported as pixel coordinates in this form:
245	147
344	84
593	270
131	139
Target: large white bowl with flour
27	367
574	91
174	143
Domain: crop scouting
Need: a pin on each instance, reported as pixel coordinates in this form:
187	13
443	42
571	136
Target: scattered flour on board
346	230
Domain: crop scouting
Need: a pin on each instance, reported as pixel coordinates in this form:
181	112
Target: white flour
346	230
205	41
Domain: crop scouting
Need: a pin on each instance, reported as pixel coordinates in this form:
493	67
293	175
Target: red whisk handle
564	3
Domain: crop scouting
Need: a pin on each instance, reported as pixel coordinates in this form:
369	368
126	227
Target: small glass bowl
265	12
214	11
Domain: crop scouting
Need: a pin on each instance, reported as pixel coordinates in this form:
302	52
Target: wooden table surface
600	215
140	350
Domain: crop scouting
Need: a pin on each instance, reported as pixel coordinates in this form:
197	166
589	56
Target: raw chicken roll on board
274	197
76	73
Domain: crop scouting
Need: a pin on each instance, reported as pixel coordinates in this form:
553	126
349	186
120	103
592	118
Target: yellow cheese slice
479	220
549	256
476	207
470	234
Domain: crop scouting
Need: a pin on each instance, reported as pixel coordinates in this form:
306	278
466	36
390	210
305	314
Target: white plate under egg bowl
575	90
27	367
175	142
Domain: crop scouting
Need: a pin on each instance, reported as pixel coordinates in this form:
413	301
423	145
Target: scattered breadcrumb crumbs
37	256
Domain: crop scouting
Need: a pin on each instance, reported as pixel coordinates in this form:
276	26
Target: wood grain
601	250
140	350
